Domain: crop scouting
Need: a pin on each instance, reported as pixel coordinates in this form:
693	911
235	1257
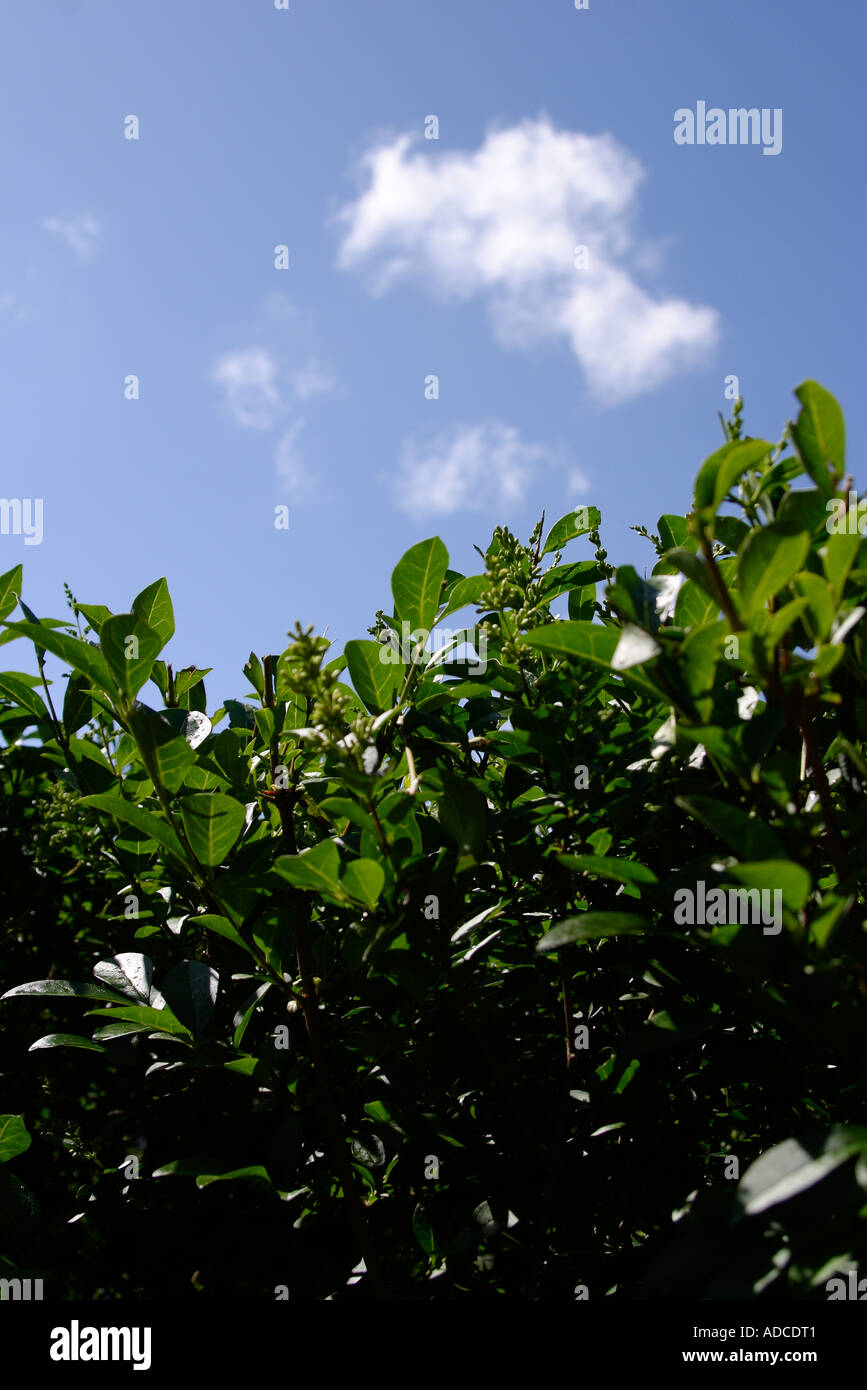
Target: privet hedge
422	972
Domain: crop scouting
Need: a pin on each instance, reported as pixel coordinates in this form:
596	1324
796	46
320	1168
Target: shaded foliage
374	983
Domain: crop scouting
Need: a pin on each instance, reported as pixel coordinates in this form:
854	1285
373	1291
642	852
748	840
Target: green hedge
525	959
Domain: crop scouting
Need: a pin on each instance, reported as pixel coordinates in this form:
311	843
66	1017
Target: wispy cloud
577	483
312	380
249	380
468	468
292	470
259	391
81	233
503	222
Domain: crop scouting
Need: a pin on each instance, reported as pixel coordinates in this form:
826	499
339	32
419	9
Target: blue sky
558	386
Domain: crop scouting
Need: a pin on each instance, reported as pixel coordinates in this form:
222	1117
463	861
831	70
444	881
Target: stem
722	594
284	799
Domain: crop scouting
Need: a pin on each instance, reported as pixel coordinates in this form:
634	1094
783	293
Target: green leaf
839	554
590	926
673	531
255	1173
255	674
130	973
773	627
162	745
463	814
731	532
221	926
747	836
582	604
65	1040
617	870
130	647
81	656
377	679
213	823
112	804
792	880
584	641
794	1166
23	696
190	990
833	908
466	591
77	704
123	1029
154	607
573	524
561	578
14	1138
67	989
423	1231
804	510
769	559
342	808
694	607
820	436
363	880
417	582
819	603
10	589
162	1019
316	870
722	469
242	1018
95	614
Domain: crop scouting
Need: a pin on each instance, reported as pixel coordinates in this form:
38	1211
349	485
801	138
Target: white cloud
311	380
80	233
577	483
249	378
258	390
470	468
503	222
263	386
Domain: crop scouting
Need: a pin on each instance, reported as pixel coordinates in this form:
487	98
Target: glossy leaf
795	1165
417	582
130	648
591	926
65	1040
378	681
212	823
820	436
14	1138
768	561
190	990
573	524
